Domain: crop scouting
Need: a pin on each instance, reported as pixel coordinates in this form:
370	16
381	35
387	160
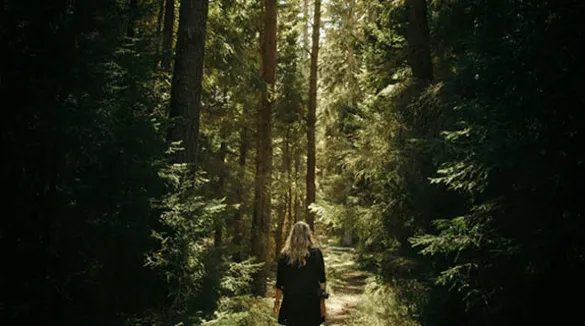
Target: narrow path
345	283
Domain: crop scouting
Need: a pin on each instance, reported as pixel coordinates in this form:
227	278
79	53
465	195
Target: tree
311	115
239	188
188	75
262	193
419	52
168	32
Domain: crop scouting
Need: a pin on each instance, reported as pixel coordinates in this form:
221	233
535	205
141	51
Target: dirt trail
346	285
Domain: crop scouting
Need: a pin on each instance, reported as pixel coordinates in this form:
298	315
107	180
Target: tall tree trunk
419	41
296	195
188	75
262	193
169	23
280	225
218	234
278	237
159	30
351	88
239	191
289	181
289	214
311	117
132	18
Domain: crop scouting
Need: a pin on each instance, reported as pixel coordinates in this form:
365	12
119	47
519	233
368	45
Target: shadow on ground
346	284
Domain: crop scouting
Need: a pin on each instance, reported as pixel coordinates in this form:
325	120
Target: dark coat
300	285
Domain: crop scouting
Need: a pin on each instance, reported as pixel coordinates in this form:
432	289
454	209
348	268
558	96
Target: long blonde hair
297	245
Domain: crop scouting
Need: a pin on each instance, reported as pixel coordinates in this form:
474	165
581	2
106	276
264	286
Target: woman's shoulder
315	250
283	258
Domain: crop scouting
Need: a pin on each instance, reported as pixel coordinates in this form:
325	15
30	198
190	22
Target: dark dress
300	284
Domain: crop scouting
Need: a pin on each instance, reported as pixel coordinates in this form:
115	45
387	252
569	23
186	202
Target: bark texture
168	32
240	198
185	108
284	209
419	42
262	193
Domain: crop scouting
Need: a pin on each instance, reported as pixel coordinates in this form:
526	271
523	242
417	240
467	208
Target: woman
301	279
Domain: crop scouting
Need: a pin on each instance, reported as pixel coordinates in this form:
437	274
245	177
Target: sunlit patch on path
346	284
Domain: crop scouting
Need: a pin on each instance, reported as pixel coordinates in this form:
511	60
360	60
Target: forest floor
345	284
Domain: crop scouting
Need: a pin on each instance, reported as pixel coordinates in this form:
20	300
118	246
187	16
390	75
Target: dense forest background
156	153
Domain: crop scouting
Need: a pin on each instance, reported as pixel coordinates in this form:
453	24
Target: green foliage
84	154
243	311
499	159
472	169
330	214
455	235
382	306
236	307
238	277
470	183
95	196
186	221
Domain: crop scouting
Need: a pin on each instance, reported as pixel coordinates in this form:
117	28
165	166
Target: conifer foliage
157	152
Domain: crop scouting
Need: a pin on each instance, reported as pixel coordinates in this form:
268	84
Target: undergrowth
243	311
381	306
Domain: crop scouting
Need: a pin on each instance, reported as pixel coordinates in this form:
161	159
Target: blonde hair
297	245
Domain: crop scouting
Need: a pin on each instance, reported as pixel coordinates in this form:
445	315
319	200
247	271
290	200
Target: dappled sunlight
159	153
346	285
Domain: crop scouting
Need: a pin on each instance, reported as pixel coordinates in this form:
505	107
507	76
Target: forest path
345	284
